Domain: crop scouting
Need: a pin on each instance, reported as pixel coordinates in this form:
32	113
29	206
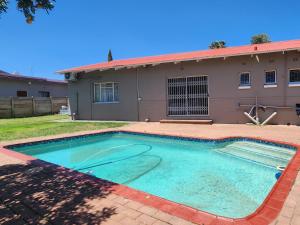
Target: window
294	76
270	77
106	92
245	80
44	93
22	93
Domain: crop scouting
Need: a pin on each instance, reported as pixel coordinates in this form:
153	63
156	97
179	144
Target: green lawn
11	129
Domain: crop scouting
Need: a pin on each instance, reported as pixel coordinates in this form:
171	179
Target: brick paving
30	194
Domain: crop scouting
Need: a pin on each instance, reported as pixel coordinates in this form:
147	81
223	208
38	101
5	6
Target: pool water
225	178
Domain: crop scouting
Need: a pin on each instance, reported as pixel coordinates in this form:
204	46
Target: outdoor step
204	122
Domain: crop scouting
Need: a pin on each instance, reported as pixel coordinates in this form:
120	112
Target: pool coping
264	214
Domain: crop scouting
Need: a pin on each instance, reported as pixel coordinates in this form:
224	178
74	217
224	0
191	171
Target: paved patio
32	194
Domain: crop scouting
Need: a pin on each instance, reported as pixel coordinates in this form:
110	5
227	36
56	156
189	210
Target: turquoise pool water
225	178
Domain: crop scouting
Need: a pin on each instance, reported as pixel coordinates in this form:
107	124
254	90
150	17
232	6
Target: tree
28	7
217	44
260	39
109	56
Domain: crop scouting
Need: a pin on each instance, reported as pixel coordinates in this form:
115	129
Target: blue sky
81	32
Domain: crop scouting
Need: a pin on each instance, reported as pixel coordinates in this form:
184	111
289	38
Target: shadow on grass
47	194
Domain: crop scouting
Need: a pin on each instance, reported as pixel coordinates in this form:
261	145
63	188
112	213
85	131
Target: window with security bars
44	93
270	77
245	79
188	96
295	76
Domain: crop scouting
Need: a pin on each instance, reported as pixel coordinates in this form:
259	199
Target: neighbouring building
218	85
12	85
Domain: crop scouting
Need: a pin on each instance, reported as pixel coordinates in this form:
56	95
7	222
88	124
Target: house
12	85
218	85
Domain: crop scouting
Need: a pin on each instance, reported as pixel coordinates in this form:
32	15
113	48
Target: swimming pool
228	177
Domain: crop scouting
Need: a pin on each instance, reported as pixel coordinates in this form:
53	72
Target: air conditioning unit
71	76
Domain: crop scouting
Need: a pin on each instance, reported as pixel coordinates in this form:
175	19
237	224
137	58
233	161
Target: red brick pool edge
263	215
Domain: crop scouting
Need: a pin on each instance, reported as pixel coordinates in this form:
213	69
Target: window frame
293	84
22	91
245	86
113	87
48	95
273	84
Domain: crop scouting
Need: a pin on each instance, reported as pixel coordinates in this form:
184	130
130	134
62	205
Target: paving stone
290	202
287	212
134	205
148	210
118	217
121	200
9	217
281	220
297	209
109	222
101	202
111	196
145	219
158	222
178	221
129	221
131	213
295	220
163	216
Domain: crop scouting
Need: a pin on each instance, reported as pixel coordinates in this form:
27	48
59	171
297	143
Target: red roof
188	56
6	75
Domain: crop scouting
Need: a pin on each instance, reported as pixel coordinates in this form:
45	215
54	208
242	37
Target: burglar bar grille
188	96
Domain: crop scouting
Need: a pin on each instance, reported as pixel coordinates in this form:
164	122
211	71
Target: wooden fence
30	106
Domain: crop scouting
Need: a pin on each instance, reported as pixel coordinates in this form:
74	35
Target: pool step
264	150
259	153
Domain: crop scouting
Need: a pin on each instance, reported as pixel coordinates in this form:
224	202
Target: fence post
12	106
51	102
33	106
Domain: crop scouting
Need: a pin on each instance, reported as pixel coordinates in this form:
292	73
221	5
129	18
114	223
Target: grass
18	128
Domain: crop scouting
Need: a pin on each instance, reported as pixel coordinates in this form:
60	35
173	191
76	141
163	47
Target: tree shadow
43	193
